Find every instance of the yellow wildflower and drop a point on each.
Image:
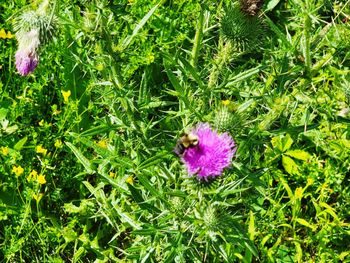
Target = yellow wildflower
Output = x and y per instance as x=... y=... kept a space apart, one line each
x=32 y=175
x=40 y=149
x=130 y=180
x=149 y=59
x=17 y=170
x=299 y=193
x=41 y=123
x=112 y=174
x=99 y=67
x=9 y=35
x=66 y=95
x=58 y=143
x=4 y=151
x=310 y=181
x=102 y=143
x=56 y=112
x=117 y=48
x=225 y=102
x=3 y=34
x=38 y=197
x=41 y=179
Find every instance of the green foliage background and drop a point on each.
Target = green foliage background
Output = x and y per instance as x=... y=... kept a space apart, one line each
x=140 y=72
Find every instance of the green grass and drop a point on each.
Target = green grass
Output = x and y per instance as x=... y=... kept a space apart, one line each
x=141 y=72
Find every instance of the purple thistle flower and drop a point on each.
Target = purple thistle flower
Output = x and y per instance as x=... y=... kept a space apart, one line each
x=26 y=56
x=26 y=61
x=212 y=155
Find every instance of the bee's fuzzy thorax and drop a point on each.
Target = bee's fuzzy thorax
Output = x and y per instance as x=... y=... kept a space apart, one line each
x=251 y=7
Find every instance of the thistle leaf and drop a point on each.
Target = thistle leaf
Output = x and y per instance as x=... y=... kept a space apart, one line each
x=289 y=165
x=298 y=154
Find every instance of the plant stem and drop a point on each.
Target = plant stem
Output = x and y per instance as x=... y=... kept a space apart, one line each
x=197 y=39
x=116 y=76
x=222 y=58
x=307 y=30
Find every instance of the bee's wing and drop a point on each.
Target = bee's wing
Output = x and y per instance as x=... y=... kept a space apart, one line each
x=179 y=149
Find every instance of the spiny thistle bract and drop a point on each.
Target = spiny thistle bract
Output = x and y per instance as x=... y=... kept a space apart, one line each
x=244 y=31
x=223 y=119
x=219 y=219
x=210 y=183
x=211 y=218
x=46 y=24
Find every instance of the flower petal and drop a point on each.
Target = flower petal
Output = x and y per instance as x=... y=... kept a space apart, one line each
x=212 y=155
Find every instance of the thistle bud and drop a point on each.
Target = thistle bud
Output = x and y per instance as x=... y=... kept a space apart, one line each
x=244 y=31
x=223 y=119
x=33 y=28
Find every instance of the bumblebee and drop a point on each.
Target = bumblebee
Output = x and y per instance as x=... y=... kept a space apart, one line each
x=187 y=140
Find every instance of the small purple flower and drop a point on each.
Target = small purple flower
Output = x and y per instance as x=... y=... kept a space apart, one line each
x=212 y=155
x=26 y=61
